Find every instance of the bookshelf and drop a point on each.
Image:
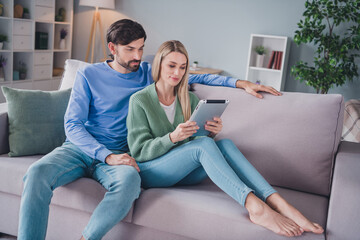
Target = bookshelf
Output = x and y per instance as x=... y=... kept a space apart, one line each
x=34 y=41
x=262 y=74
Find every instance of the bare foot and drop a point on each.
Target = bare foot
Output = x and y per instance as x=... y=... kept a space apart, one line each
x=82 y=238
x=280 y=205
x=261 y=214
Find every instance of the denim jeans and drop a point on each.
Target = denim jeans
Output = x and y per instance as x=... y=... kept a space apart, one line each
x=64 y=165
x=191 y=162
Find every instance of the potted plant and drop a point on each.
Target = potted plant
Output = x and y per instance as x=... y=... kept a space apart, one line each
x=260 y=55
x=26 y=13
x=63 y=34
x=3 y=38
x=335 y=54
x=2 y=66
x=195 y=64
x=22 y=70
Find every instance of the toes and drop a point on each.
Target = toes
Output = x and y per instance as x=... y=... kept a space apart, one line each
x=318 y=229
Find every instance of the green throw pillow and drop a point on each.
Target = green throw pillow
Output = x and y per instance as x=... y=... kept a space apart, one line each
x=36 y=120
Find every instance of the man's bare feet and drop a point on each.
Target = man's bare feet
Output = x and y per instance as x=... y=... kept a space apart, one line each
x=263 y=215
x=279 y=204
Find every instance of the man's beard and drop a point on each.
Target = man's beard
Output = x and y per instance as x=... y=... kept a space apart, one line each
x=128 y=66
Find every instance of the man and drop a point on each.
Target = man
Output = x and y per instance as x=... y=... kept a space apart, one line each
x=96 y=145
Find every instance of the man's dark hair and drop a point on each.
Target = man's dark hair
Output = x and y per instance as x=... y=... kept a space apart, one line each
x=124 y=32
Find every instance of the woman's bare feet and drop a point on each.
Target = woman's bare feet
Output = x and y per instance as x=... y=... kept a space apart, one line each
x=279 y=204
x=263 y=215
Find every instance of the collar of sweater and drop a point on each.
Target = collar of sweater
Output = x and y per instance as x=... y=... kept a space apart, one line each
x=179 y=118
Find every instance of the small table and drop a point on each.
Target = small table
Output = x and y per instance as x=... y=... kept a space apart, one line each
x=200 y=70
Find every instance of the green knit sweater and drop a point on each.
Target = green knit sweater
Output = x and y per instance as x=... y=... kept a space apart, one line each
x=149 y=127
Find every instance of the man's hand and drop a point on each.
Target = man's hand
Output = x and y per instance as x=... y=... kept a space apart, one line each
x=253 y=88
x=214 y=126
x=121 y=159
x=183 y=131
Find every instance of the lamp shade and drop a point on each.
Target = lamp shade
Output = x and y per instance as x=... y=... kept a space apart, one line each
x=98 y=3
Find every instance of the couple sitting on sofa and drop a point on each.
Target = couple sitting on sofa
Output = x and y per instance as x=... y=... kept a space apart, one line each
x=98 y=125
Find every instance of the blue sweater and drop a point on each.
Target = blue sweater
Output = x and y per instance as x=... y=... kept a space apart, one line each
x=95 y=119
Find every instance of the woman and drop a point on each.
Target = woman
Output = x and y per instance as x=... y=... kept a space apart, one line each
x=159 y=137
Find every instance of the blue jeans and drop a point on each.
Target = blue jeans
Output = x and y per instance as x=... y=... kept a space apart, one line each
x=191 y=162
x=62 y=166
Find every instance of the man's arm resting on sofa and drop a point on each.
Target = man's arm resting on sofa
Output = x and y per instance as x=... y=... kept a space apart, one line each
x=4 y=129
x=344 y=212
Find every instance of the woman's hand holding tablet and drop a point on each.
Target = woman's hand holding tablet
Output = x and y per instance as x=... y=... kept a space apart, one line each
x=205 y=111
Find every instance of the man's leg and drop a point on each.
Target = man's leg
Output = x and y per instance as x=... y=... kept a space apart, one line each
x=61 y=166
x=123 y=185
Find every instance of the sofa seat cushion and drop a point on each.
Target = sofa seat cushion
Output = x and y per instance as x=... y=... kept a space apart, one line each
x=12 y=171
x=83 y=194
x=205 y=212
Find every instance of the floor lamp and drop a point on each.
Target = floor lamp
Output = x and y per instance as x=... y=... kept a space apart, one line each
x=96 y=20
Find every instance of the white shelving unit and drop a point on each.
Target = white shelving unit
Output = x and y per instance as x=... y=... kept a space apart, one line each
x=264 y=75
x=21 y=44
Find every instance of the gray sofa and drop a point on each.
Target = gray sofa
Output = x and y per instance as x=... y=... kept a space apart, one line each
x=293 y=140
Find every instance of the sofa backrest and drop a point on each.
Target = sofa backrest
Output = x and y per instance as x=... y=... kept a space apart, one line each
x=290 y=139
x=71 y=67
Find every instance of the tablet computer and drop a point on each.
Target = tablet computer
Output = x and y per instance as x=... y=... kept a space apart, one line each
x=206 y=110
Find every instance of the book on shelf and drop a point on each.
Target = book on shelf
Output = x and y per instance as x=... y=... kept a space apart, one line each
x=275 y=60
x=271 y=60
x=278 y=60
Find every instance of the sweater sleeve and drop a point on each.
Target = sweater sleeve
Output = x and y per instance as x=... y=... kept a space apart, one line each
x=143 y=146
x=212 y=80
x=75 y=117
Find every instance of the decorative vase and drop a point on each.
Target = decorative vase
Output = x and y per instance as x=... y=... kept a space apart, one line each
x=1 y=45
x=260 y=60
x=62 y=44
x=2 y=74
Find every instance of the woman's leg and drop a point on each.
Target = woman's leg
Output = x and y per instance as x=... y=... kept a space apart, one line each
x=262 y=188
x=170 y=168
x=243 y=168
x=193 y=178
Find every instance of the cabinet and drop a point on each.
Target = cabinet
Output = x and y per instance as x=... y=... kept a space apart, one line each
x=33 y=43
x=263 y=74
x=201 y=70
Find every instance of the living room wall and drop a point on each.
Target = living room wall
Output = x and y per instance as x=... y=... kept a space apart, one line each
x=215 y=33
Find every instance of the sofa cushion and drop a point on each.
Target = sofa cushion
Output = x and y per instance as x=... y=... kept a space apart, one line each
x=291 y=139
x=12 y=171
x=71 y=67
x=36 y=120
x=205 y=212
x=83 y=194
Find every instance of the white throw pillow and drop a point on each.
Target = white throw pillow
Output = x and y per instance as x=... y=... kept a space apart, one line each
x=71 y=67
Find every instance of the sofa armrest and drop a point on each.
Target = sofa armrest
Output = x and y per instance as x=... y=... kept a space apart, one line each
x=4 y=129
x=344 y=212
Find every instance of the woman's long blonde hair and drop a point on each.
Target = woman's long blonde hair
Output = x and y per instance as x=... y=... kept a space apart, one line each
x=182 y=88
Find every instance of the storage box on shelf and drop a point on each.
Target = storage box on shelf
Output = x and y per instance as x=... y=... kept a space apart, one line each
x=34 y=43
x=268 y=74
